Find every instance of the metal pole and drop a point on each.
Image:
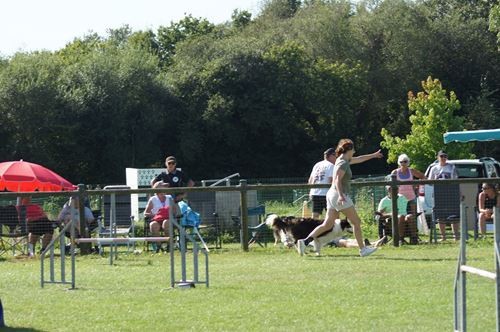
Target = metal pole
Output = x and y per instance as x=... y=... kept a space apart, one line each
x=244 y=215
x=395 y=219
x=195 y=261
x=463 y=274
x=496 y=222
x=112 y=225
x=182 y=240
x=171 y=240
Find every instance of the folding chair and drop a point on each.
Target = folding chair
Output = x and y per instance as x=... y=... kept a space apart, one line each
x=260 y=234
x=446 y=209
x=121 y=224
x=13 y=232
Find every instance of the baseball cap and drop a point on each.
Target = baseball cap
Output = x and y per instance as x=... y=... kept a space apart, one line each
x=171 y=158
x=442 y=153
x=329 y=152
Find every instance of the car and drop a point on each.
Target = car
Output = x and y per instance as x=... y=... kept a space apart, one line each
x=485 y=167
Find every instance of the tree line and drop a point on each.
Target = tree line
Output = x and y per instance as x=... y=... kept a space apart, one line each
x=262 y=96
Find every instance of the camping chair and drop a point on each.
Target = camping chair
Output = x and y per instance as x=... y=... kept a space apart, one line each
x=385 y=229
x=121 y=224
x=446 y=208
x=13 y=232
x=260 y=233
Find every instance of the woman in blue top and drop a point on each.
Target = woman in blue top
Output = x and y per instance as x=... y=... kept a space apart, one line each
x=337 y=198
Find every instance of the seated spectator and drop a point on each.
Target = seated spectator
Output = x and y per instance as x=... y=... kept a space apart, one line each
x=488 y=199
x=38 y=224
x=66 y=214
x=158 y=210
x=405 y=220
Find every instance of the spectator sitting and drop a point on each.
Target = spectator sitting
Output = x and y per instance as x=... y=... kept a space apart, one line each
x=405 y=220
x=66 y=214
x=158 y=209
x=488 y=199
x=38 y=224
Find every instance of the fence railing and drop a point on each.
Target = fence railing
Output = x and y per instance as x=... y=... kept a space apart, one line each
x=219 y=205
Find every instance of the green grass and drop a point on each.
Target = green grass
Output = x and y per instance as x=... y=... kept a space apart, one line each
x=270 y=289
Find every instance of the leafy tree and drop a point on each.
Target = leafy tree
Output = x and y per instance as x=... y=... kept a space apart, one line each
x=432 y=114
x=188 y=27
x=280 y=9
x=29 y=101
x=494 y=19
x=241 y=18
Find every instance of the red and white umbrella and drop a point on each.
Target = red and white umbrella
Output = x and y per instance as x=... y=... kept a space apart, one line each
x=23 y=176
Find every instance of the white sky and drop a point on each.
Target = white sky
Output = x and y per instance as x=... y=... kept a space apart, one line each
x=29 y=25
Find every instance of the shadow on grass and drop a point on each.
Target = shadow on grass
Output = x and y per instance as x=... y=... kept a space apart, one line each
x=20 y=329
x=379 y=256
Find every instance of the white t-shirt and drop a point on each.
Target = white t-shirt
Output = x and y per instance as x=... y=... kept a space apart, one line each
x=157 y=204
x=321 y=173
x=448 y=171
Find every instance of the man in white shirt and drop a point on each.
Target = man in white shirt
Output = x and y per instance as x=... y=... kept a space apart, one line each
x=321 y=173
x=445 y=170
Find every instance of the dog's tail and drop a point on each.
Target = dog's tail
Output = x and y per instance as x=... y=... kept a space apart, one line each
x=270 y=219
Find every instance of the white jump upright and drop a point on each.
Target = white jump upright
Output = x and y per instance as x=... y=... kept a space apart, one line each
x=460 y=286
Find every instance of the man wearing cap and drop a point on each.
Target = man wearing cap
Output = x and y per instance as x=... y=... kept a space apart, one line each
x=445 y=170
x=322 y=173
x=173 y=177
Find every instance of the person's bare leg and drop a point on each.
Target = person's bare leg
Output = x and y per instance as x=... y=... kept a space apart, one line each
x=442 y=230
x=456 y=230
x=47 y=237
x=482 y=223
x=154 y=228
x=328 y=223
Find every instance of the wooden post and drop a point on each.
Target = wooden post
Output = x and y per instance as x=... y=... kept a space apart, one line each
x=395 y=219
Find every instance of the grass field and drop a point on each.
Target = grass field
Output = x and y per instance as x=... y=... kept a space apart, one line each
x=266 y=289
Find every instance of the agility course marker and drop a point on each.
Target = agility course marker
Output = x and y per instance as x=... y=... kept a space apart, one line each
x=460 y=289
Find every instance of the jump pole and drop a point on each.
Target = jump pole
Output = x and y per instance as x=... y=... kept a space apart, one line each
x=121 y=240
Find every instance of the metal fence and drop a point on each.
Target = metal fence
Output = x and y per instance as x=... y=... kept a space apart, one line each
x=225 y=210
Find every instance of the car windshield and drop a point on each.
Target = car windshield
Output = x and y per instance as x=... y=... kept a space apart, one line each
x=469 y=171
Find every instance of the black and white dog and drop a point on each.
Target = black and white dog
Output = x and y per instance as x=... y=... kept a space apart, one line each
x=288 y=230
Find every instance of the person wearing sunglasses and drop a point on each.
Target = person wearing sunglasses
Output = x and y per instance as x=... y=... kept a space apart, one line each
x=173 y=177
x=405 y=173
x=488 y=199
x=445 y=170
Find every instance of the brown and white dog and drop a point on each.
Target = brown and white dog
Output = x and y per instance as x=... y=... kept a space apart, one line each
x=288 y=230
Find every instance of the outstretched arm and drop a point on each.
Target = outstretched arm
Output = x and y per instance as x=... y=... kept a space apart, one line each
x=365 y=157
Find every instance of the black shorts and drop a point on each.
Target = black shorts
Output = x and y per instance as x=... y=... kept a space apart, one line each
x=319 y=204
x=41 y=227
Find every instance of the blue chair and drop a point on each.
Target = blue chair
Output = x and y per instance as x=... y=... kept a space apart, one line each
x=258 y=234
